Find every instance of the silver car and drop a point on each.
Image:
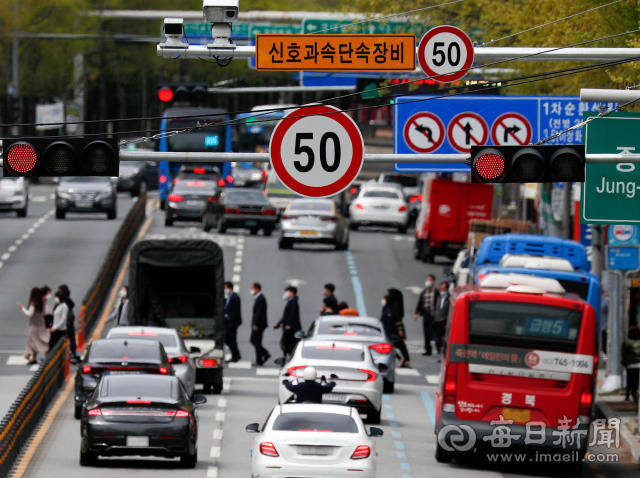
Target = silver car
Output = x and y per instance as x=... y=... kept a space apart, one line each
x=313 y=221
x=366 y=330
x=348 y=364
x=179 y=355
x=14 y=195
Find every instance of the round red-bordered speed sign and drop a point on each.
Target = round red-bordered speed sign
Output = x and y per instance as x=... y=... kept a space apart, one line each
x=316 y=151
x=445 y=53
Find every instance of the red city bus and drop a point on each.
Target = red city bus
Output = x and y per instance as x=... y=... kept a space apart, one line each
x=518 y=370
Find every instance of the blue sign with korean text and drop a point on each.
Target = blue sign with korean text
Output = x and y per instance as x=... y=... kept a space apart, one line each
x=429 y=124
x=623 y=258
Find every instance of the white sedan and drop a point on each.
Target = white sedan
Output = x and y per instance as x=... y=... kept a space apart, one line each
x=379 y=205
x=313 y=440
x=348 y=364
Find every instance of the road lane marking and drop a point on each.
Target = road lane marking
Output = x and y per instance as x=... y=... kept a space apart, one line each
x=357 y=287
x=18 y=242
x=431 y=409
x=31 y=230
x=237 y=268
x=242 y=364
x=212 y=472
x=433 y=379
x=236 y=278
x=405 y=466
x=386 y=397
x=222 y=402
x=390 y=416
x=17 y=360
x=5 y=256
x=220 y=417
x=39 y=199
x=402 y=455
x=238 y=260
x=273 y=372
x=409 y=372
x=12 y=248
x=52 y=196
x=217 y=434
x=399 y=445
x=0 y=265
x=25 y=236
x=34 y=367
x=215 y=452
x=388 y=407
x=396 y=434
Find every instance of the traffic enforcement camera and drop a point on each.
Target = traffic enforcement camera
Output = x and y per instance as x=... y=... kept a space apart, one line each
x=527 y=164
x=40 y=157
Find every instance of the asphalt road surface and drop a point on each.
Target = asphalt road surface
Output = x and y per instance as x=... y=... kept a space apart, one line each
x=378 y=259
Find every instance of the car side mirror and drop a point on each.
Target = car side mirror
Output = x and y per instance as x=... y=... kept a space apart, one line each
x=81 y=397
x=253 y=428
x=375 y=432
x=279 y=362
x=199 y=399
x=299 y=335
x=195 y=350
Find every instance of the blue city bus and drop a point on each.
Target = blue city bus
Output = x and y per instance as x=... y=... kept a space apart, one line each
x=254 y=130
x=210 y=139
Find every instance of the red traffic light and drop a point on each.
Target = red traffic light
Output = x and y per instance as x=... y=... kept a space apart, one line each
x=21 y=158
x=489 y=165
x=165 y=94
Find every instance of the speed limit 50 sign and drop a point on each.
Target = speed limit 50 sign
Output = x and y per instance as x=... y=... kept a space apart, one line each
x=445 y=53
x=316 y=151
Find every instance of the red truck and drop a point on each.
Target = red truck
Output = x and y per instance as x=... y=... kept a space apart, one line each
x=443 y=224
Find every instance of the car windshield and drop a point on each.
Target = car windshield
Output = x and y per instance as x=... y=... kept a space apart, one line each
x=139 y=386
x=380 y=194
x=349 y=330
x=246 y=196
x=509 y=324
x=87 y=179
x=322 y=206
x=166 y=340
x=404 y=181
x=315 y=422
x=121 y=351
x=333 y=352
x=193 y=186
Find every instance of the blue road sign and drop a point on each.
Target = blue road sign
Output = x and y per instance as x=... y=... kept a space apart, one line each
x=623 y=258
x=453 y=125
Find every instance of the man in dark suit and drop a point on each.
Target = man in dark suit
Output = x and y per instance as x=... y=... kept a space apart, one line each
x=330 y=303
x=290 y=321
x=259 y=323
x=426 y=309
x=440 y=316
x=233 y=319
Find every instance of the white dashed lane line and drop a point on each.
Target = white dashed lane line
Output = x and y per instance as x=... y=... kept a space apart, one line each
x=215 y=452
x=5 y=256
x=217 y=434
x=212 y=472
x=26 y=235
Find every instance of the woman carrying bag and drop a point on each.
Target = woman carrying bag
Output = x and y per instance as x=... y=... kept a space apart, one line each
x=38 y=341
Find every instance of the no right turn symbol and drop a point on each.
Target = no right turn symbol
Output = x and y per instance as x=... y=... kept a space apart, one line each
x=511 y=129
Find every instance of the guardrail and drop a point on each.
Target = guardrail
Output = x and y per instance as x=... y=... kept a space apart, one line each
x=97 y=294
x=30 y=406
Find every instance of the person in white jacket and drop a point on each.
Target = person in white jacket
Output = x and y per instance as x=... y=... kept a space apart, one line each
x=59 y=327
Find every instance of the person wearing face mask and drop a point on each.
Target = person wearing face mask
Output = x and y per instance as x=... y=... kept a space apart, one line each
x=393 y=326
x=426 y=309
x=59 y=328
x=233 y=320
x=38 y=341
x=119 y=313
x=290 y=321
x=71 y=327
x=48 y=313
x=259 y=324
x=440 y=317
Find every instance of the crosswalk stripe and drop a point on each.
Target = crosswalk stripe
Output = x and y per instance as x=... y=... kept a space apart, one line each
x=273 y=372
x=17 y=360
x=409 y=372
x=217 y=434
x=212 y=472
x=243 y=364
x=433 y=379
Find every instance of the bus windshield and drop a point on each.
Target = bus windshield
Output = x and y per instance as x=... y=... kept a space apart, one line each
x=509 y=324
x=209 y=139
x=254 y=135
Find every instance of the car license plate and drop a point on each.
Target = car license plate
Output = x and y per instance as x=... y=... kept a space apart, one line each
x=308 y=233
x=124 y=372
x=84 y=204
x=138 y=441
x=334 y=397
x=195 y=203
x=518 y=415
x=314 y=450
x=381 y=207
x=250 y=223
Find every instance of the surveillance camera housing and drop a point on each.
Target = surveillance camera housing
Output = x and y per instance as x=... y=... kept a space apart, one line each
x=221 y=11
x=173 y=29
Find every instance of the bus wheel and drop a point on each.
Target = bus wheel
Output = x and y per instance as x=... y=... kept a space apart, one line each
x=443 y=456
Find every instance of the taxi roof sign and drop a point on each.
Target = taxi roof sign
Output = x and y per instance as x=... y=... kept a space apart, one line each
x=336 y=52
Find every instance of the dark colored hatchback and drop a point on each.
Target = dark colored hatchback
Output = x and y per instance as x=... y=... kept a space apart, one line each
x=240 y=208
x=140 y=416
x=118 y=357
x=187 y=200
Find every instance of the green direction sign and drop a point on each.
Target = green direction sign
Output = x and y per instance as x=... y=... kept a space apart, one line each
x=611 y=192
x=240 y=29
x=312 y=25
x=280 y=29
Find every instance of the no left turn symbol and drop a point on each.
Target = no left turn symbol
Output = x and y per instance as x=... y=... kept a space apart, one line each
x=424 y=132
x=466 y=130
x=511 y=129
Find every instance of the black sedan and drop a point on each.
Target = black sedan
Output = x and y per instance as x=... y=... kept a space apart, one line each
x=187 y=200
x=240 y=208
x=136 y=177
x=139 y=416
x=86 y=194
x=118 y=357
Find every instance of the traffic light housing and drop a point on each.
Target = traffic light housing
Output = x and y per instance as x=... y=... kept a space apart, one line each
x=194 y=93
x=528 y=164
x=40 y=157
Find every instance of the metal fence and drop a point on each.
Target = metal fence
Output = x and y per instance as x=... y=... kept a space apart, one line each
x=30 y=406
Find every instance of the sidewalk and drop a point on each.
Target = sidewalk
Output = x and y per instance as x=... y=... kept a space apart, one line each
x=614 y=406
